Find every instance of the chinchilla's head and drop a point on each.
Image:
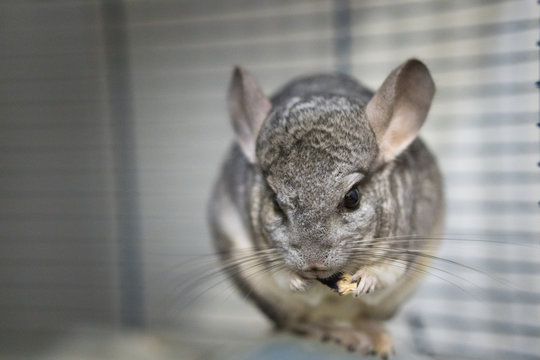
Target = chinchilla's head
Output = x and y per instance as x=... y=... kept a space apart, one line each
x=320 y=158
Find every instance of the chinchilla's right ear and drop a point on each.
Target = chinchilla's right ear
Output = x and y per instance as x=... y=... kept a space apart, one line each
x=398 y=109
x=248 y=107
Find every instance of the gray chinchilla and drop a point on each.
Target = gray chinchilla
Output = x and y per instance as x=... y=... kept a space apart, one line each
x=328 y=185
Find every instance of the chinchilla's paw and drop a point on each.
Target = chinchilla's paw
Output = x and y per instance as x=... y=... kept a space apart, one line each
x=366 y=282
x=382 y=345
x=380 y=341
x=367 y=339
x=350 y=339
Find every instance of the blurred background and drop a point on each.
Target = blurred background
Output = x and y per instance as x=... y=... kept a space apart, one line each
x=113 y=124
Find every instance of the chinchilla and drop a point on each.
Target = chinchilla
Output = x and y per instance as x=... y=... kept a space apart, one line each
x=327 y=178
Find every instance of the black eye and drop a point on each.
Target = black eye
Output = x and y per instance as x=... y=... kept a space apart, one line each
x=352 y=199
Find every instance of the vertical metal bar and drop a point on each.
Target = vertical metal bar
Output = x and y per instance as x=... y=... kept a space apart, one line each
x=128 y=212
x=342 y=35
x=538 y=86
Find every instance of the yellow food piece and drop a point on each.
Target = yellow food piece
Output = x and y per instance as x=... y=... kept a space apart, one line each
x=345 y=286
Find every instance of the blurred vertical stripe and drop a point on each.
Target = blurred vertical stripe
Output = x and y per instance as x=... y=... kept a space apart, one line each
x=118 y=73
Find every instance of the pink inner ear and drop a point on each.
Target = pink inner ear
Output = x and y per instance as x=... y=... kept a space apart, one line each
x=398 y=109
x=403 y=129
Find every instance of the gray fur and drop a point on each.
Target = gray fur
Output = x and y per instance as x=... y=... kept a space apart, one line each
x=305 y=152
x=314 y=145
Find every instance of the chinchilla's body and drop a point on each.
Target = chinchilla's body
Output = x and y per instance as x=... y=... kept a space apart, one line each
x=325 y=179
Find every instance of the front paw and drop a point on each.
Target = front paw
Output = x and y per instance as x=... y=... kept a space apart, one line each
x=298 y=283
x=366 y=282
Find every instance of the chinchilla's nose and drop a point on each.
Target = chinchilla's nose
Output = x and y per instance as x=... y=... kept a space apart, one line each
x=313 y=268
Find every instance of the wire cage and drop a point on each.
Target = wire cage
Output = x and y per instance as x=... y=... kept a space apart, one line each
x=113 y=124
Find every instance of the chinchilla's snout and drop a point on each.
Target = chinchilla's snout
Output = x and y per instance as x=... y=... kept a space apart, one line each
x=315 y=270
x=315 y=262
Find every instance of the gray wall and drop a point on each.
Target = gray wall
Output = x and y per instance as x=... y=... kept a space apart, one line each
x=57 y=212
x=112 y=130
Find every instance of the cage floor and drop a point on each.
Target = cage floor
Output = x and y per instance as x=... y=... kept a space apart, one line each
x=105 y=344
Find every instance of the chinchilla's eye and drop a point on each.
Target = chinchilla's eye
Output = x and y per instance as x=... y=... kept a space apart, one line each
x=351 y=201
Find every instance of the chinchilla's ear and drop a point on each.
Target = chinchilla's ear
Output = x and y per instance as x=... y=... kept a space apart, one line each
x=248 y=107
x=398 y=109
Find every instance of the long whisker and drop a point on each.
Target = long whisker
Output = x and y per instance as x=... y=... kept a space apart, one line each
x=225 y=267
x=247 y=273
x=413 y=237
x=425 y=266
x=424 y=253
x=221 y=254
x=227 y=272
x=459 y=264
x=216 y=260
x=234 y=262
x=423 y=270
x=271 y=269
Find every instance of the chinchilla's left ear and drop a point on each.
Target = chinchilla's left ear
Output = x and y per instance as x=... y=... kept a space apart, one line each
x=248 y=107
x=398 y=109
